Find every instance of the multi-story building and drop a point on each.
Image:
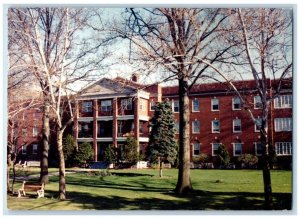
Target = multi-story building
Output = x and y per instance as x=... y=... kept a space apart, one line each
x=109 y=110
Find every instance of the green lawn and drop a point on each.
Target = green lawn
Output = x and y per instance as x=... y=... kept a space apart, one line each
x=144 y=190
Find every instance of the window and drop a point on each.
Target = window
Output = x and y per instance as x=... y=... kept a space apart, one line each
x=142 y=105
x=175 y=106
x=87 y=106
x=215 y=104
x=236 y=103
x=23 y=150
x=176 y=127
x=196 y=105
x=152 y=105
x=196 y=126
x=237 y=149
x=35 y=131
x=215 y=148
x=257 y=102
x=284 y=101
x=141 y=127
x=196 y=149
x=237 y=125
x=257 y=124
x=24 y=132
x=283 y=124
x=106 y=105
x=126 y=104
x=283 y=148
x=258 y=148
x=35 y=115
x=215 y=126
x=34 y=149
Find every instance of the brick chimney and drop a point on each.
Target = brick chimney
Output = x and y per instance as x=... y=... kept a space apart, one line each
x=135 y=77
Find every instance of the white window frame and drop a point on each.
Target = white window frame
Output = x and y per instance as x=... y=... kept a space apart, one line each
x=193 y=126
x=105 y=107
x=87 y=106
x=212 y=126
x=234 y=147
x=35 y=131
x=212 y=148
x=233 y=125
x=212 y=104
x=287 y=150
x=23 y=150
x=152 y=105
x=196 y=143
x=283 y=101
x=255 y=125
x=255 y=145
x=281 y=123
x=126 y=104
x=173 y=106
x=142 y=104
x=233 y=102
x=255 y=102
x=193 y=110
x=34 y=148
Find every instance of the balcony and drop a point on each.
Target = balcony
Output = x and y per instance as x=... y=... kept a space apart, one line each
x=85 y=129
x=125 y=128
x=105 y=129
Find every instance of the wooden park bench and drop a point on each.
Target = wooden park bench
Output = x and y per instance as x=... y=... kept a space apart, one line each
x=33 y=163
x=36 y=187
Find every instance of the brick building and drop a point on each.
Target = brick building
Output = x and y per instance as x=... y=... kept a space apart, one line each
x=109 y=110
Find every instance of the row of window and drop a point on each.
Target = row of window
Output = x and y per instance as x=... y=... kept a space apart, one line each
x=34 y=149
x=281 y=125
x=106 y=105
x=281 y=148
x=284 y=101
x=35 y=132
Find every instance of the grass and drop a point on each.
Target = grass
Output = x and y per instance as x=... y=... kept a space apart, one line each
x=144 y=190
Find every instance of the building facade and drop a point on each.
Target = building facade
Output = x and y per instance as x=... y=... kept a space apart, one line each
x=110 y=110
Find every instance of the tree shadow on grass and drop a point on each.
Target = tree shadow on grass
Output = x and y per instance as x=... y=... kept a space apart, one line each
x=197 y=200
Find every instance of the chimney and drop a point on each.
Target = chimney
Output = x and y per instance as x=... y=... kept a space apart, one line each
x=135 y=77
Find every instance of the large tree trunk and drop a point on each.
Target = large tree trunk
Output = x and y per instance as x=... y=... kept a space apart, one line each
x=184 y=184
x=45 y=148
x=266 y=166
x=62 y=170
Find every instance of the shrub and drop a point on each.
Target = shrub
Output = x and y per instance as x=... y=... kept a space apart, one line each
x=69 y=149
x=84 y=153
x=249 y=160
x=201 y=160
x=110 y=155
x=223 y=156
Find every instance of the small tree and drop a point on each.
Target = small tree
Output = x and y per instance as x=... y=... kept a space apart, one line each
x=110 y=155
x=84 y=153
x=223 y=156
x=162 y=144
x=69 y=147
x=130 y=153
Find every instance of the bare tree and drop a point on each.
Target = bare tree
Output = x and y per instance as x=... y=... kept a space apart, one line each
x=55 y=45
x=169 y=39
x=265 y=52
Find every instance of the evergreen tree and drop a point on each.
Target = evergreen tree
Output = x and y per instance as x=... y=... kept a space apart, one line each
x=162 y=144
x=110 y=155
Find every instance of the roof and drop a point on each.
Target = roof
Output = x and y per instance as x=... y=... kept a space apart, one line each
x=246 y=85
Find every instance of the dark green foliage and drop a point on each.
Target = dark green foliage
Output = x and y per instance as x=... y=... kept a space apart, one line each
x=130 y=151
x=201 y=160
x=69 y=149
x=162 y=136
x=110 y=154
x=249 y=160
x=223 y=156
x=84 y=153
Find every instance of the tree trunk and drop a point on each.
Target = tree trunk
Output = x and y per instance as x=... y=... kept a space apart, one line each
x=62 y=170
x=266 y=167
x=45 y=148
x=184 y=184
x=160 y=168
